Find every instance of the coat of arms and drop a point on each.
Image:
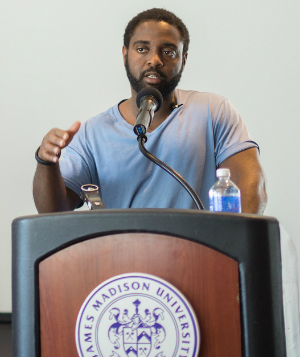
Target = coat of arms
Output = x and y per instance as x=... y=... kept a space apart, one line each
x=137 y=334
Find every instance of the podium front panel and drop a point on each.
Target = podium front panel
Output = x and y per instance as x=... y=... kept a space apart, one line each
x=207 y=278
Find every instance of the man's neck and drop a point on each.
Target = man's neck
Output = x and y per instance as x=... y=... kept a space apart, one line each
x=129 y=110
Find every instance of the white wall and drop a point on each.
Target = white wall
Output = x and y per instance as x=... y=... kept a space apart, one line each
x=61 y=61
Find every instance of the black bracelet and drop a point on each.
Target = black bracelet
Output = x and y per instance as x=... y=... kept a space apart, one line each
x=43 y=162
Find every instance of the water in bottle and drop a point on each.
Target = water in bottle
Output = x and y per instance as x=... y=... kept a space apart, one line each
x=224 y=196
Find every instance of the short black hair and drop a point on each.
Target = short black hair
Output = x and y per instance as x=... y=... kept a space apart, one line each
x=157 y=14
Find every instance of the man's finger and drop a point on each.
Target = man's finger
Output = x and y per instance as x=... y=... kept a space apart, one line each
x=74 y=128
x=68 y=135
x=49 y=152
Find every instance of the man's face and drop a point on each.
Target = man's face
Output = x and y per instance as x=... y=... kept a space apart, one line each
x=154 y=57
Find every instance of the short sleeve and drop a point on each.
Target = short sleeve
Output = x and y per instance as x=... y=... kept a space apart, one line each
x=76 y=164
x=230 y=133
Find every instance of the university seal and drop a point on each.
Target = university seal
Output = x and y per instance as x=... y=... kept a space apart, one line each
x=136 y=315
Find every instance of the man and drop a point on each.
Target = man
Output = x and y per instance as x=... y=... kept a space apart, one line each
x=194 y=133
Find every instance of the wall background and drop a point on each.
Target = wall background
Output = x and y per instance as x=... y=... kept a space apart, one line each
x=61 y=61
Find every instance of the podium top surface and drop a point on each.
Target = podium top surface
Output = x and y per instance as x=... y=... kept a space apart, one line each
x=222 y=231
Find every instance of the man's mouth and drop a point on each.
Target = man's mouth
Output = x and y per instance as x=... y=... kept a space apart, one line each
x=152 y=76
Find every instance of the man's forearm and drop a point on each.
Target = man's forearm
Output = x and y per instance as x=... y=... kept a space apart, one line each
x=247 y=174
x=49 y=191
x=253 y=195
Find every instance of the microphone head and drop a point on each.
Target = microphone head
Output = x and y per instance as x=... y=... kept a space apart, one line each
x=150 y=92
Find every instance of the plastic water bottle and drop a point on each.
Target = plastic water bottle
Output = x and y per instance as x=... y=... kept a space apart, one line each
x=224 y=196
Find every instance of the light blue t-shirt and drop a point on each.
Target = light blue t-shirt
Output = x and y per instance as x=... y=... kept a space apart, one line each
x=196 y=137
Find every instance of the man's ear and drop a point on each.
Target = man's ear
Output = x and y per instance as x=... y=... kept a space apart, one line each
x=184 y=59
x=124 y=52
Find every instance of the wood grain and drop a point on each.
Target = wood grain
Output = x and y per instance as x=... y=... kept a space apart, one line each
x=207 y=278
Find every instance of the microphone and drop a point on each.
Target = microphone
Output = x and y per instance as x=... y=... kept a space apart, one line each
x=149 y=100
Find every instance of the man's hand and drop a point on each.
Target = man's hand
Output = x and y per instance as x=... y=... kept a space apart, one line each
x=55 y=141
x=49 y=190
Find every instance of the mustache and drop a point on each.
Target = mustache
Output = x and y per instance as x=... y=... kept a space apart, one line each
x=153 y=69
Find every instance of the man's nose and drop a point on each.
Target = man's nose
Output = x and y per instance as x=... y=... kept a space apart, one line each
x=155 y=60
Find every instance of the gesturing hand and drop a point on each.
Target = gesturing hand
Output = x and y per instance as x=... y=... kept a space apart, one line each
x=55 y=141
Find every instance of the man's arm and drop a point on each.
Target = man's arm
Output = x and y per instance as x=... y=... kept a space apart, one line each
x=49 y=191
x=246 y=172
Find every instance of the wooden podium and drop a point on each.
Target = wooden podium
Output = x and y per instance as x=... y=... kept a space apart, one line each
x=228 y=266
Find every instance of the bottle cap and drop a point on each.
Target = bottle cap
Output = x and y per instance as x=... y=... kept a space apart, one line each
x=223 y=172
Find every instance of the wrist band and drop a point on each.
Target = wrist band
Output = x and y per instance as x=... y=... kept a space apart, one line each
x=43 y=162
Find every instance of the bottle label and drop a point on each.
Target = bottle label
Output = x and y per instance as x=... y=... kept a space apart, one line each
x=225 y=204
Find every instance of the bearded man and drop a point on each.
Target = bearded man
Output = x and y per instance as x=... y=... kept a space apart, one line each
x=193 y=132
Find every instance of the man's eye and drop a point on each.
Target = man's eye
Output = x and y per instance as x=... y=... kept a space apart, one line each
x=169 y=53
x=141 y=49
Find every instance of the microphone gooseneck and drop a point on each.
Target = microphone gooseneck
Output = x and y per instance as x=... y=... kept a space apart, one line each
x=172 y=172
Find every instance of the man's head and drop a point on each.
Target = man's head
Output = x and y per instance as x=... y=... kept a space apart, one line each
x=155 y=50
x=157 y=15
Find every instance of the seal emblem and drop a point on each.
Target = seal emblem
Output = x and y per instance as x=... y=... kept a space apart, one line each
x=136 y=315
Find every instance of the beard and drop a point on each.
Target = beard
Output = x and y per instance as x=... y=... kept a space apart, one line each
x=165 y=87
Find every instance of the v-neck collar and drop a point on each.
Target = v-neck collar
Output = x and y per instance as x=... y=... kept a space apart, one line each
x=123 y=121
